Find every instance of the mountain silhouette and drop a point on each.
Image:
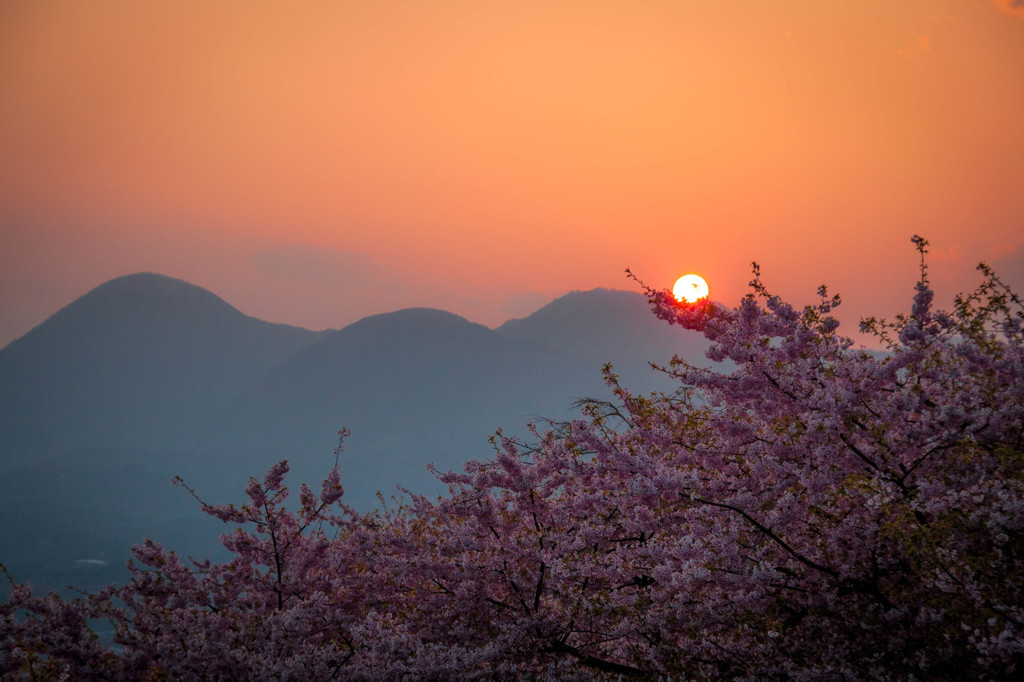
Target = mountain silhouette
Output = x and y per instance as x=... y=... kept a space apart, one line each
x=146 y=377
x=134 y=362
x=606 y=325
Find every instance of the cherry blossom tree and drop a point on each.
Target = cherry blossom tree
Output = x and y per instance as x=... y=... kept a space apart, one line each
x=808 y=510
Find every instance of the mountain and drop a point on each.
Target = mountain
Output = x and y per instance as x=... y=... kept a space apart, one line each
x=605 y=325
x=414 y=386
x=99 y=407
x=146 y=377
x=134 y=362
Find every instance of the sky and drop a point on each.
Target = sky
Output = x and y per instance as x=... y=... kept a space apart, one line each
x=316 y=162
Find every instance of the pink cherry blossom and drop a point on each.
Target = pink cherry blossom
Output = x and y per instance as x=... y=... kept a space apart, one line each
x=808 y=510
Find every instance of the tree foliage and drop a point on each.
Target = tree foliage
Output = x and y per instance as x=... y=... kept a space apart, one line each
x=815 y=512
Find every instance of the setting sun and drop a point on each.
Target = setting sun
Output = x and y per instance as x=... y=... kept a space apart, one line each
x=690 y=288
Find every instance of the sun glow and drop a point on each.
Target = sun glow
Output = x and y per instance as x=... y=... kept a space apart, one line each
x=690 y=288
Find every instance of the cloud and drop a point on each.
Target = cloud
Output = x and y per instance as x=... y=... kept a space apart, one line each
x=1014 y=7
x=1010 y=269
x=523 y=304
x=920 y=43
x=953 y=254
x=316 y=264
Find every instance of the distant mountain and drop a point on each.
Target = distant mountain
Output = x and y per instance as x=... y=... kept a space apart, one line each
x=146 y=377
x=135 y=362
x=605 y=325
x=414 y=386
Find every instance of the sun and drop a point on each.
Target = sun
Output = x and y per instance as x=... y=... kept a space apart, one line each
x=690 y=288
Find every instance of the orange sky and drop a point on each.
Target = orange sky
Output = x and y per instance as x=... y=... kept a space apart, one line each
x=314 y=162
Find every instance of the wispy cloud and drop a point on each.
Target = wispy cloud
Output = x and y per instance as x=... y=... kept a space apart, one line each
x=953 y=254
x=525 y=303
x=922 y=43
x=1014 y=7
x=321 y=265
x=1010 y=268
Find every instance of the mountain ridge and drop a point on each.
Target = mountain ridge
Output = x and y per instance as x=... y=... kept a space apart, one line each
x=147 y=377
x=136 y=342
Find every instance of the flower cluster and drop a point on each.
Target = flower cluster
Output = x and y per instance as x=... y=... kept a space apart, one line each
x=815 y=511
